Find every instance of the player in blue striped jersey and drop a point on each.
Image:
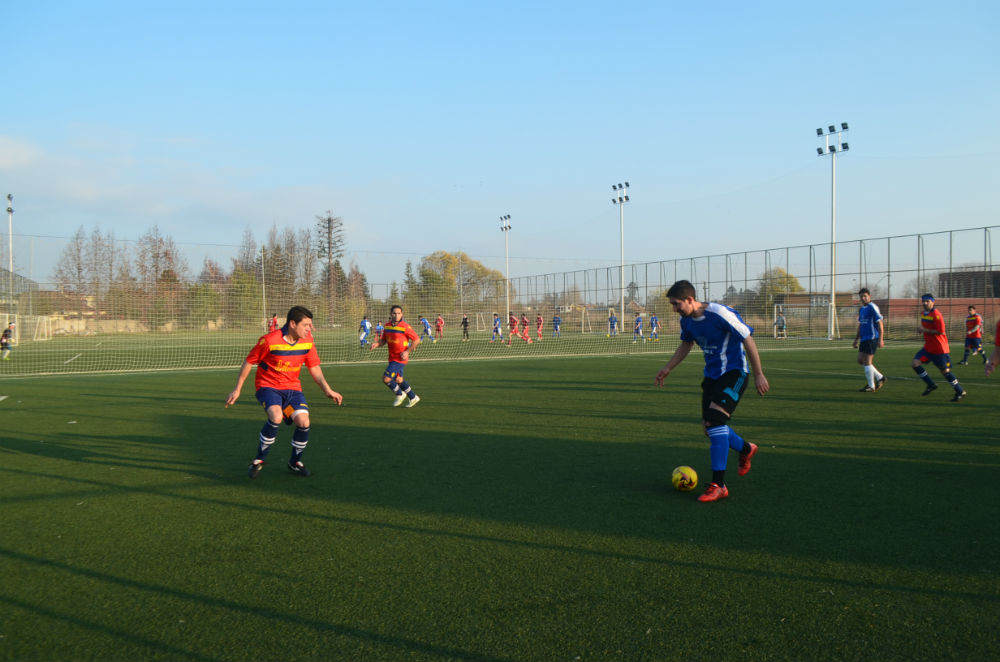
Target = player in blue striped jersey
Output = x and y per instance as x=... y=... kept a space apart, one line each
x=730 y=353
x=870 y=337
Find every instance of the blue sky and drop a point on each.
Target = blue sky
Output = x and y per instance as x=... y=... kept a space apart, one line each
x=421 y=123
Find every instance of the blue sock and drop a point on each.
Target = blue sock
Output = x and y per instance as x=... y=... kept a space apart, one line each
x=299 y=440
x=719 y=450
x=268 y=433
x=394 y=387
x=736 y=442
x=405 y=388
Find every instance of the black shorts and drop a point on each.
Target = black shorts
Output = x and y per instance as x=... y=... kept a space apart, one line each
x=868 y=347
x=725 y=391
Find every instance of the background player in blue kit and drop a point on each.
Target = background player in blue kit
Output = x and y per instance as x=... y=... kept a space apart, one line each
x=729 y=349
x=870 y=337
x=654 y=328
x=556 y=324
x=612 y=324
x=427 y=329
x=497 y=330
x=366 y=330
x=637 y=329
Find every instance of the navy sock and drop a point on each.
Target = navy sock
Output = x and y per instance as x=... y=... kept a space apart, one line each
x=953 y=380
x=268 y=433
x=299 y=440
x=922 y=374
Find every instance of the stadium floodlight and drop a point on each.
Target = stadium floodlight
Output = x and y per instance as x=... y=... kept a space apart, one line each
x=831 y=148
x=505 y=228
x=620 y=199
x=10 y=256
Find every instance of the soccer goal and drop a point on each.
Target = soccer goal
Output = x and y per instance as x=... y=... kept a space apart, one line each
x=43 y=328
x=801 y=320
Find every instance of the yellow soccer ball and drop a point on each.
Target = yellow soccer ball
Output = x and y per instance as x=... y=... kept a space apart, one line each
x=684 y=479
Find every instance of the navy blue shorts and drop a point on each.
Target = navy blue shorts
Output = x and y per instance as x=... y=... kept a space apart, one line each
x=394 y=370
x=942 y=361
x=973 y=343
x=291 y=402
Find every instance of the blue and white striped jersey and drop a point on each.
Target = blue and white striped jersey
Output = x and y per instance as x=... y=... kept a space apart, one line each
x=719 y=332
x=868 y=318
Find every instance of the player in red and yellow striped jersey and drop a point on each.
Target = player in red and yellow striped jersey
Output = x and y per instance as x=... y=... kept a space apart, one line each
x=973 y=336
x=935 y=349
x=401 y=339
x=279 y=356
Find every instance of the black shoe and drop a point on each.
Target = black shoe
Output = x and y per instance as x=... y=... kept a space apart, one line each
x=958 y=396
x=866 y=389
x=963 y=363
x=255 y=468
x=880 y=383
x=927 y=391
x=299 y=469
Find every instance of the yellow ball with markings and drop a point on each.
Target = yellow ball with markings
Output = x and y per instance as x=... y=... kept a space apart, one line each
x=684 y=479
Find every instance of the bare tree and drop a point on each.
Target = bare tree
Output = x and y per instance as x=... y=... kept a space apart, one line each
x=71 y=269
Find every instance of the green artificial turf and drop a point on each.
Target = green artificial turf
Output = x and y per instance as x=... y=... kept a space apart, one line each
x=522 y=511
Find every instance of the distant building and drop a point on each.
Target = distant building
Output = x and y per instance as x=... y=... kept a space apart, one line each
x=970 y=284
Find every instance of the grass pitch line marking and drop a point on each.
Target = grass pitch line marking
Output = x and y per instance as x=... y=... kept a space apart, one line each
x=74 y=358
x=3 y=397
x=899 y=378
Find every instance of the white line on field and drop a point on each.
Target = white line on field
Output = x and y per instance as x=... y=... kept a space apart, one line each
x=74 y=358
x=3 y=397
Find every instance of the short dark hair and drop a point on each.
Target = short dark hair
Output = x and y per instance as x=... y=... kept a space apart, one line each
x=682 y=289
x=395 y=306
x=297 y=314
x=972 y=307
x=863 y=290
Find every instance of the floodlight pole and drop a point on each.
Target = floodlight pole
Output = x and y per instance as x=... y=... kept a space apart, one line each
x=10 y=256
x=621 y=197
x=505 y=228
x=831 y=148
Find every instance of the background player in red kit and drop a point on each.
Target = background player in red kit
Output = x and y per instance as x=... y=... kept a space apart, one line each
x=401 y=339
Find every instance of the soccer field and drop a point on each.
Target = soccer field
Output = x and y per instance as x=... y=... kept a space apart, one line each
x=522 y=511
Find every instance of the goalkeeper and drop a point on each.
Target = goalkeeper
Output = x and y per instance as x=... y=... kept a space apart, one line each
x=6 y=340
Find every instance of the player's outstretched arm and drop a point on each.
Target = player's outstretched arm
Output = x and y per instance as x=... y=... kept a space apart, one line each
x=317 y=374
x=759 y=380
x=679 y=355
x=235 y=394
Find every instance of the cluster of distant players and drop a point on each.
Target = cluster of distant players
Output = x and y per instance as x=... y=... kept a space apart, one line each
x=871 y=336
x=637 y=335
x=727 y=344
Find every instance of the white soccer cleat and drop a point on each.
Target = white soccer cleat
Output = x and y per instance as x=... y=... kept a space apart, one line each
x=399 y=400
x=413 y=402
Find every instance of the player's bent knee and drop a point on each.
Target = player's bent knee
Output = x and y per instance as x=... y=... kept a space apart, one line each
x=386 y=379
x=715 y=417
x=399 y=379
x=301 y=419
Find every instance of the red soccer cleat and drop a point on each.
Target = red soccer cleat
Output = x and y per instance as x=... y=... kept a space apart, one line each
x=744 y=467
x=714 y=493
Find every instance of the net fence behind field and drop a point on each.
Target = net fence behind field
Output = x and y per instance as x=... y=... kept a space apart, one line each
x=790 y=295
